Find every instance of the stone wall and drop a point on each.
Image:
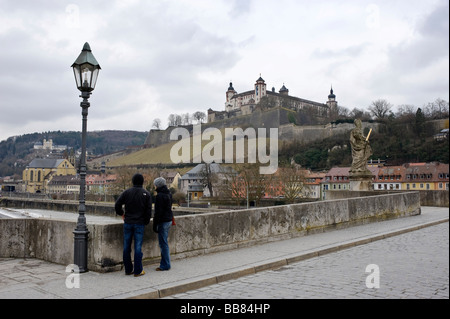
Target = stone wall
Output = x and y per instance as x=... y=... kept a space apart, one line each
x=92 y=208
x=437 y=198
x=434 y=198
x=52 y=240
x=271 y=118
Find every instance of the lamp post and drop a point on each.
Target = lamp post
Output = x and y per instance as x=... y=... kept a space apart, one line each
x=85 y=69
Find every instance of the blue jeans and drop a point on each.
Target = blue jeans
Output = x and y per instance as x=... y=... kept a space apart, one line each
x=130 y=232
x=163 y=234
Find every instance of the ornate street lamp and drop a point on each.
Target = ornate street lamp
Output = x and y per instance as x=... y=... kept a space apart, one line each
x=85 y=69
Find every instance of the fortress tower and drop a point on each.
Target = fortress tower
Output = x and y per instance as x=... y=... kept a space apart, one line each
x=332 y=104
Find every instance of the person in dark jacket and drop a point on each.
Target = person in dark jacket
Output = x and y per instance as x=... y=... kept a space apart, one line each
x=162 y=221
x=137 y=214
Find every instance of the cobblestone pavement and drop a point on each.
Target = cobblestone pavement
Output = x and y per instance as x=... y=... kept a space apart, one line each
x=414 y=265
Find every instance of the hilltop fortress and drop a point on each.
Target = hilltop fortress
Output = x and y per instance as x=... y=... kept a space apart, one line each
x=297 y=120
x=247 y=102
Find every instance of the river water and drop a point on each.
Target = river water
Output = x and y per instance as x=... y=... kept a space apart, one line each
x=51 y=214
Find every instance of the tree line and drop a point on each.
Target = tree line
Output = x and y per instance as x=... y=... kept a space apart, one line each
x=181 y=119
x=382 y=110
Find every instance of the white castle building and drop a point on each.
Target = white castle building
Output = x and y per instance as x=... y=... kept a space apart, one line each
x=245 y=102
x=48 y=145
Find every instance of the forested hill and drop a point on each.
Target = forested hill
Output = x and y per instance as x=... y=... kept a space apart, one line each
x=16 y=152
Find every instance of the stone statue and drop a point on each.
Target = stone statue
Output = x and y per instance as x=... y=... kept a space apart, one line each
x=361 y=150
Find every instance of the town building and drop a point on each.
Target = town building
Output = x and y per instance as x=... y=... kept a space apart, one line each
x=38 y=173
x=337 y=179
x=409 y=176
x=64 y=184
x=197 y=176
x=301 y=183
x=442 y=135
x=426 y=176
x=195 y=191
x=100 y=183
x=313 y=183
x=48 y=145
x=413 y=176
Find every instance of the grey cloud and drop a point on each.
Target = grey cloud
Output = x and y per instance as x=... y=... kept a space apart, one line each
x=430 y=46
x=239 y=8
x=437 y=23
x=348 y=52
x=411 y=59
x=31 y=81
x=168 y=46
x=169 y=54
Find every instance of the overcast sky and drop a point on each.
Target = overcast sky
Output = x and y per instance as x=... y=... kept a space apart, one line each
x=178 y=56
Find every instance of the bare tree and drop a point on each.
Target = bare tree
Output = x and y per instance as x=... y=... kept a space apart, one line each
x=229 y=187
x=437 y=109
x=359 y=114
x=186 y=118
x=199 y=117
x=175 y=120
x=149 y=177
x=292 y=182
x=406 y=112
x=171 y=120
x=343 y=111
x=406 y=109
x=208 y=178
x=253 y=185
x=178 y=120
x=157 y=124
x=380 y=108
x=123 y=178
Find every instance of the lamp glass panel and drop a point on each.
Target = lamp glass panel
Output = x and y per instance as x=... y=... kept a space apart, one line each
x=76 y=73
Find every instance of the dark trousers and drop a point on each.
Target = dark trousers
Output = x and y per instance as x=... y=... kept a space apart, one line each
x=133 y=232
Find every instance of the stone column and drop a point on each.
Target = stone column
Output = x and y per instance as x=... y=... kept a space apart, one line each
x=361 y=181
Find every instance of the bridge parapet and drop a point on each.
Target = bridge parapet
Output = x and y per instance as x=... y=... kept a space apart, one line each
x=52 y=240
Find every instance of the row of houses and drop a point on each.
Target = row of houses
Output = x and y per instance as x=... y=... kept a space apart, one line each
x=99 y=183
x=410 y=176
x=314 y=185
x=59 y=176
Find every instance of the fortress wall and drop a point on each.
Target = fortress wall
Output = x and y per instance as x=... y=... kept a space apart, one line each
x=258 y=119
x=272 y=118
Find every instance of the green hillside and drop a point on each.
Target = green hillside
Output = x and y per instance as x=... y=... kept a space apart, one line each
x=396 y=143
x=162 y=154
x=17 y=152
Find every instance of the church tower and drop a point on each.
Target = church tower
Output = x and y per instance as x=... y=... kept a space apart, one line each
x=332 y=103
x=260 y=89
x=229 y=94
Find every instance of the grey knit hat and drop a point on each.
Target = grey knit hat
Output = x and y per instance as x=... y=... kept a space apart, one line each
x=160 y=181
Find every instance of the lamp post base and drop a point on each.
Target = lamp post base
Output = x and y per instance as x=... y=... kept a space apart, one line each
x=81 y=249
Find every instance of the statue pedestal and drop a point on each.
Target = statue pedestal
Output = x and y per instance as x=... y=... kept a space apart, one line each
x=361 y=181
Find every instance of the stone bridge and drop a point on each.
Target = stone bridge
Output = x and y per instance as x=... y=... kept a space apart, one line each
x=52 y=240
